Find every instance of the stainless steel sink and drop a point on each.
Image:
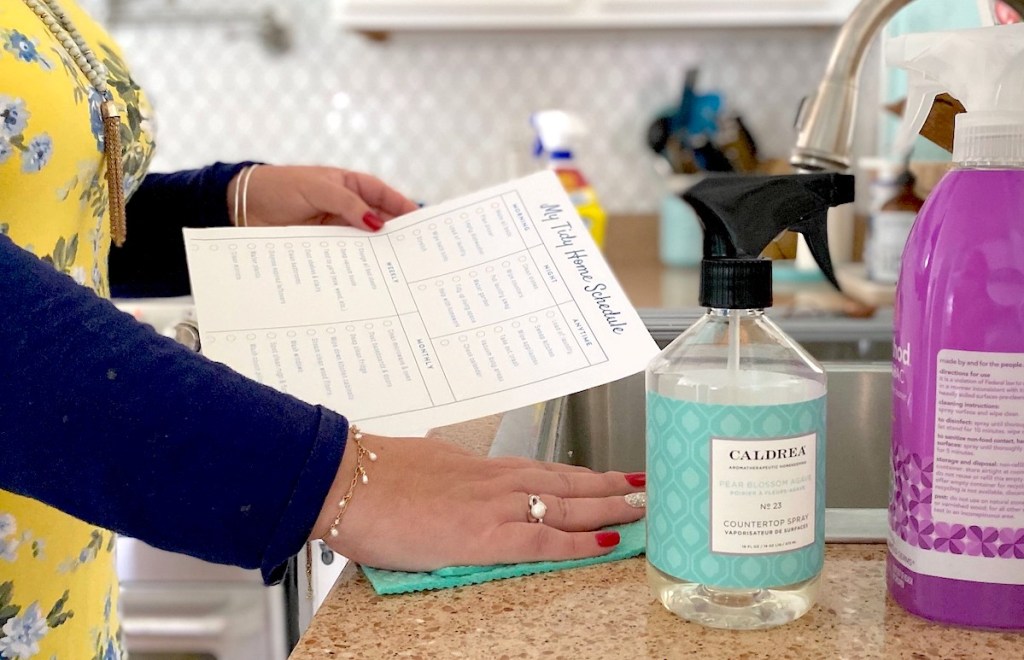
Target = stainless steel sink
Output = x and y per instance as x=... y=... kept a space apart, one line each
x=603 y=428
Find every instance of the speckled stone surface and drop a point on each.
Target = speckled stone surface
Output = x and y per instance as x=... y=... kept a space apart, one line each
x=606 y=611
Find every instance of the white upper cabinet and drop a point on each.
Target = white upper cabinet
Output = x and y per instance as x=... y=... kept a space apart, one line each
x=388 y=15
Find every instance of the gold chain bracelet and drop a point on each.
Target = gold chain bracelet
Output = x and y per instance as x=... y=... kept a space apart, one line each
x=355 y=435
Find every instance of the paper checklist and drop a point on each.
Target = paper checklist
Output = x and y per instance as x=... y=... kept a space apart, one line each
x=489 y=302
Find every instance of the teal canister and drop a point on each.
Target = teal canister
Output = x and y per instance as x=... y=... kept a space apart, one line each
x=679 y=232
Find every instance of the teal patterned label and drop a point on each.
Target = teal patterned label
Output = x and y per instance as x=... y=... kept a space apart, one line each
x=736 y=494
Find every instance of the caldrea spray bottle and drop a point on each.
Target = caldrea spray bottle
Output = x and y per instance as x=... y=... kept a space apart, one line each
x=956 y=542
x=736 y=420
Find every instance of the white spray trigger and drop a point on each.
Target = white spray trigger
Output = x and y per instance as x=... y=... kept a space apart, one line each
x=921 y=93
x=983 y=68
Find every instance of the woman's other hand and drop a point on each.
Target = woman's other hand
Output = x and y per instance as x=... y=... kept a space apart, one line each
x=280 y=195
x=428 y=504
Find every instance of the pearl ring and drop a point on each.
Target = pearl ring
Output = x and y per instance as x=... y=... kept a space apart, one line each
x=537 y=509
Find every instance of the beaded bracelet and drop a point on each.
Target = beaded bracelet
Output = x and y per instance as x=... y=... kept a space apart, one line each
x=354 y=435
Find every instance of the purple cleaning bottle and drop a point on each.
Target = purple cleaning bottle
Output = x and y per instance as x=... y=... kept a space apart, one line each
x=956 y=514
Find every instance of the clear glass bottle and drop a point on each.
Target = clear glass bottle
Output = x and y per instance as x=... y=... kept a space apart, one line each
x=889 y=227
x=735 y=362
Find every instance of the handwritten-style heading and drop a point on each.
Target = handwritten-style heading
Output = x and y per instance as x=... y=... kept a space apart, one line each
x=566 y=237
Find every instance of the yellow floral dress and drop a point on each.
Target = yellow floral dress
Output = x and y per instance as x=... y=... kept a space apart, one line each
x=58 y=587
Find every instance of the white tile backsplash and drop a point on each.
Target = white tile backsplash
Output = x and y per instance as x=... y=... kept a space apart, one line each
x=440 y=114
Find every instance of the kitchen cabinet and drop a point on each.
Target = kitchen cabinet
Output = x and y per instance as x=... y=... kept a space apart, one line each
x=391 y=15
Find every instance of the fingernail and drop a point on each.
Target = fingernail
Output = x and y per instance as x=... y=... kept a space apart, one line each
x=637 y=479
x=373 y=221
x=607 y=539
x=637 y=500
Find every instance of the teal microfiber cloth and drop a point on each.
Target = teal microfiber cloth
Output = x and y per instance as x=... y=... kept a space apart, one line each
x=632 y=539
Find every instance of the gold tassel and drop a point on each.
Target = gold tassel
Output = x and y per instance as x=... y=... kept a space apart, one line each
x=309 y=570
x=115 y=172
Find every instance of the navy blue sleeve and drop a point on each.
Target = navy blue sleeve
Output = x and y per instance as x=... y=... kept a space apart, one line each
x=103 y=418
x=151 y=263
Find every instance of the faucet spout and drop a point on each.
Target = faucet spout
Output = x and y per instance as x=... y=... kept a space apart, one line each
x=826 y=119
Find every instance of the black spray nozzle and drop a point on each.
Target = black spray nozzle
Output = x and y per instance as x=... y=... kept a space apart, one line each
x=742 y=215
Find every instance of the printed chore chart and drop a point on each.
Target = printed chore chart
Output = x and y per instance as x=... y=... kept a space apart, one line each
x=493 y=301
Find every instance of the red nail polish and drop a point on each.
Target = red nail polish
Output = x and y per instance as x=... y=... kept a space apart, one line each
x=372 y=221
x=637 y=479
x=607 y=539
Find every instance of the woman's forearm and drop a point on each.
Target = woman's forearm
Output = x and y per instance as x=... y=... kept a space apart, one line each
x=151 y=263
x=105 y=419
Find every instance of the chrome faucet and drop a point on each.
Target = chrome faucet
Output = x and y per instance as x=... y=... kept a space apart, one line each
x=825 y=120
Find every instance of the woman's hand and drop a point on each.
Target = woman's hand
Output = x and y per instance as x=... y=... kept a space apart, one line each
x=428 y=504
x=279 y=195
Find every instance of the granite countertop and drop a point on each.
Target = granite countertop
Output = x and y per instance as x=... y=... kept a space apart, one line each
x=607 y=611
